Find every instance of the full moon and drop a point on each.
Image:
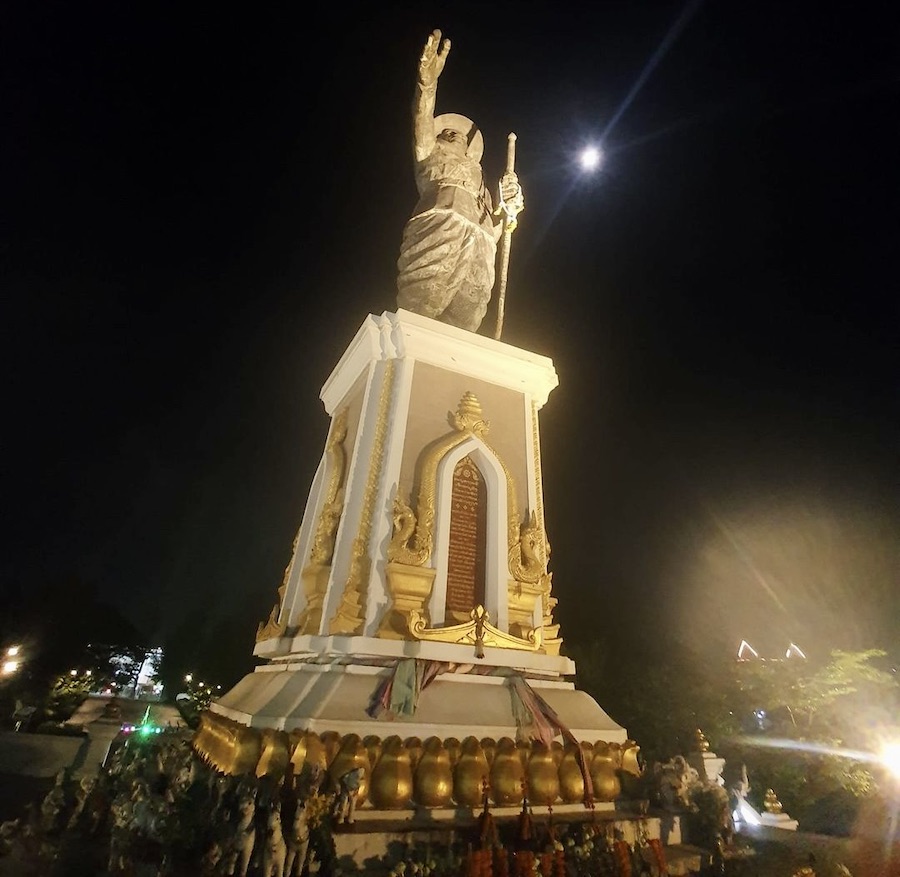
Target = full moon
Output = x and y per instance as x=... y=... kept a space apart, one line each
x=590 y=158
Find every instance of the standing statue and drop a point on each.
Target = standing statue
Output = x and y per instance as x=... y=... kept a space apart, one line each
x=446 y=264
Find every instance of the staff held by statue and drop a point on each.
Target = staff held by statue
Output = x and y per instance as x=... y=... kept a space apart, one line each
x=509 y=209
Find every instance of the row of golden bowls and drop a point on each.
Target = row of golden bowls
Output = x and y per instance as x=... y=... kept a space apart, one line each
x=401 y=773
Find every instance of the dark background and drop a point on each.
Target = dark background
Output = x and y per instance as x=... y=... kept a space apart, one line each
x=200 y=206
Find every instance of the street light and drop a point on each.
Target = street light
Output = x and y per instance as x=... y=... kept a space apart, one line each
x=189 y=677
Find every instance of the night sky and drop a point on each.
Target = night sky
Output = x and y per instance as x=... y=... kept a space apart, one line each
x=199 y=208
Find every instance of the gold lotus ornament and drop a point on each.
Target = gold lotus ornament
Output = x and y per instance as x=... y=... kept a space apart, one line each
x=507 y=774
x=331 y=742
x=433 y=784
x=489 y=745
x=470 y=773
x=542 y=776
x=373 y=747
x=274 y=758
x=603 y=773
x=453 y=746
x=571 y=781
x=414 y=748
x=392 y=778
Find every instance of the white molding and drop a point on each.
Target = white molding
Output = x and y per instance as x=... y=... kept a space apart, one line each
x=403 y=335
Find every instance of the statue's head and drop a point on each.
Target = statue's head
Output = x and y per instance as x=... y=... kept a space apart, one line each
x=459 y=134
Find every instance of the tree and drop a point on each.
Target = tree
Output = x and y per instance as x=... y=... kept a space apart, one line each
x=812 y=727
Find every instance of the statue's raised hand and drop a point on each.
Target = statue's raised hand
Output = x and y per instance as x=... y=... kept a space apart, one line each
x=433 y=58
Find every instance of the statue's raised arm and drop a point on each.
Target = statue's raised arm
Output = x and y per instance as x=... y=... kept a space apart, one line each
x=431 y=65
x=446 y=264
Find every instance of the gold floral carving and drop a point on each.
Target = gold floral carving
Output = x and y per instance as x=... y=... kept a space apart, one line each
x=551 y=638
x=526 y=557
x=315 y=573
x=477 y=632
x=351 y=614
x=326 y=528
x=272 y=629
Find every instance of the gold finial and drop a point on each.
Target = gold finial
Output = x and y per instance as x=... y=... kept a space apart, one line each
x=700 y=741
x=469 y=416
x=771 y=802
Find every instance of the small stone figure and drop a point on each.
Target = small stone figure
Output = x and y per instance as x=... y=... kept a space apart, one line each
x=236 y=859
x=274 y=853
x=55 y=805
x=84 y=792
x=674 y=779
x=446 y=264
x=348 y=790
x=297 y=841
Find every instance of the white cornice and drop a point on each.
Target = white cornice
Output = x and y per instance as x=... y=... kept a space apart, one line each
x=405 y=335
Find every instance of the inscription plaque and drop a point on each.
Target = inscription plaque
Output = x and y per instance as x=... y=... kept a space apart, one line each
x=468 y=541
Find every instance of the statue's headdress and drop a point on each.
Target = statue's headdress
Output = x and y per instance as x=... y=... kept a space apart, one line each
x=466 y=127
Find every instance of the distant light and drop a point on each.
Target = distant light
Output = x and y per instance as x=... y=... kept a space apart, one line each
x=88 y=672
x=745 y=646
x=747 y=813
x=590 y=158
x=890 y=758
x=188 y=677
x=10 y=667
x=73 y=672
x=12 y=651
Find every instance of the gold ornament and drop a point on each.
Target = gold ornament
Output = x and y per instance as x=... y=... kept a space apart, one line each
x=507 y=776
x=453 y=746
x=373 y=747
x=542 y=776
x=273 y=759
x=433 y=783
x=607 y=786
x=571 y=781
x=771 y=802
x=392 y=778
x=470 y=773
x=414 y=748
x=350 y=614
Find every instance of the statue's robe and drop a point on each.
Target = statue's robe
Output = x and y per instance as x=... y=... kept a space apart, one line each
x=446 y=264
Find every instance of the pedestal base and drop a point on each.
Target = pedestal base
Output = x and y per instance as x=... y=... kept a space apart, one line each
x=323 y=697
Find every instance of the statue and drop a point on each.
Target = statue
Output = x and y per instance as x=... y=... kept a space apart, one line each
x=446 y=264
x=297 y=843
x=274 y=852
x=348 y=789
x=236 y=859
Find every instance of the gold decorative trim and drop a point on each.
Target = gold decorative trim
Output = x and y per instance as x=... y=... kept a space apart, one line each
x=527 y=562
x=315 y=573
x=409 y=587
x=272 y=629
x=552 y=640
x=478 y=632
x=326 y=528
x=351 y=613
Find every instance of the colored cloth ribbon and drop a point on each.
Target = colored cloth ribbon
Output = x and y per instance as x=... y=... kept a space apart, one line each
x=536 y=719
x=399 y=692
